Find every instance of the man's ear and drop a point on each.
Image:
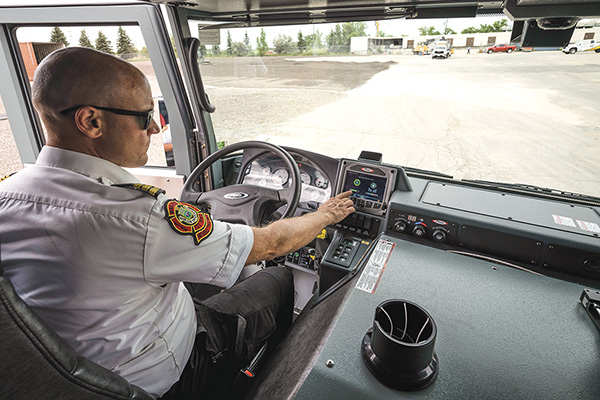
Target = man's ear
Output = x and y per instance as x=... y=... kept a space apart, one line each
x=89 y=122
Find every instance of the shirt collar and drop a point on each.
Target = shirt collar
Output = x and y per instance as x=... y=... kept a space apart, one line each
x=104 y=171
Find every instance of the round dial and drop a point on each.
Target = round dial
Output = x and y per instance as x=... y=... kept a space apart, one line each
x=261 y=182
x=281 y=176
x=320 y=181
x=305 y=178
x=266 y=169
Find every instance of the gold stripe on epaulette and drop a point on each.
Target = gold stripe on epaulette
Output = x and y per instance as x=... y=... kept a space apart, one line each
x=6 y=177
x=151 y=190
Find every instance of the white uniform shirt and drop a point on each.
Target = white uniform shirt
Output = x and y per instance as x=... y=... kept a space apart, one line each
x=103 y=267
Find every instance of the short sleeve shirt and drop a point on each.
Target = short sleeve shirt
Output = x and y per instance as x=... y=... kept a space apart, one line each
x=103 y=266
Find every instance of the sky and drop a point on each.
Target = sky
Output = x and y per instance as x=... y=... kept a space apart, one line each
x=397 y=27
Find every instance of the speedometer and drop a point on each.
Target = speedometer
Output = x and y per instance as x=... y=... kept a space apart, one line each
x=281 y=176
x=305 y=178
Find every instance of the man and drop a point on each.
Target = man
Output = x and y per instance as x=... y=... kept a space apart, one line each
x=102 y=261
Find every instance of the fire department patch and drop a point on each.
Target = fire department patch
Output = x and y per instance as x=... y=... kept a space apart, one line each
x=187 y=219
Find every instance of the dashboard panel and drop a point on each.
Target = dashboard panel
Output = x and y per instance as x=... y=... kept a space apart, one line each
x=269 y=171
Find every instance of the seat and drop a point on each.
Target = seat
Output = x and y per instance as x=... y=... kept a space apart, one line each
x=37 y=364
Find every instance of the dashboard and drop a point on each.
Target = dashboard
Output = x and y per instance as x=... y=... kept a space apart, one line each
x=270 y=171
x=499 y=273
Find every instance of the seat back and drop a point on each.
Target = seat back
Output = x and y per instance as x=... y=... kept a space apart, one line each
x=35 y=363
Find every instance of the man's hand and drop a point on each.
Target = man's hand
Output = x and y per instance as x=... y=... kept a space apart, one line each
x=338 y=207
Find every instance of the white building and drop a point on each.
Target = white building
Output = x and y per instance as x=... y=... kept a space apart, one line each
x=405 y=45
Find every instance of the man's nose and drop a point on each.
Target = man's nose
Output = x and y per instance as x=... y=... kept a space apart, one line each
x=153 y=129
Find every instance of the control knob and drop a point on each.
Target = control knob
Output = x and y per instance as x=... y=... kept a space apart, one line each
x=420 y=229
x=439 y=235
x=401 y=225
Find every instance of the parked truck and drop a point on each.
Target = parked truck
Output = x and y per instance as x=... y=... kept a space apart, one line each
x=509 y=48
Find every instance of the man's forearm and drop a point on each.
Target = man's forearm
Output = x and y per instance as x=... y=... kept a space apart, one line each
x=287 y=235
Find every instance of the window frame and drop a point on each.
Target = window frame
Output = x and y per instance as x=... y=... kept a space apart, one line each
x=16 y=91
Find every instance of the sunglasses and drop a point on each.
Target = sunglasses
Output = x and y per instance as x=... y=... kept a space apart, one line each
x=145 y=115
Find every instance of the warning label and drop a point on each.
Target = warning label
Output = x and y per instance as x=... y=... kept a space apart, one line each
x=371 y=275
x=564 y=221
x=589 y=226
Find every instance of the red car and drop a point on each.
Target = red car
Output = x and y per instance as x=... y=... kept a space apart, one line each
x=509 y=48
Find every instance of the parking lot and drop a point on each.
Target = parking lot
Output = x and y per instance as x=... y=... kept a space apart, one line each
x=520 y=117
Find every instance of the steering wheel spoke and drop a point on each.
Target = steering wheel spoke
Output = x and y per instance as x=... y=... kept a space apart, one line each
x=244 y=203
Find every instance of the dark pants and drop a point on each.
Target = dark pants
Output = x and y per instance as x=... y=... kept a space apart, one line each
x=232 y=327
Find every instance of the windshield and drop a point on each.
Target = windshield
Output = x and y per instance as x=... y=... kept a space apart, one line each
x=528 y=116
x=487 y=110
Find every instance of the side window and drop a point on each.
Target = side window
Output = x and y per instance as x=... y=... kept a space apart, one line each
x=125 y=42
x=9 y=159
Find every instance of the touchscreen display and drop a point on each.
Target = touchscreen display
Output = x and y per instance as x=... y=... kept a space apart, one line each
x=365 y=186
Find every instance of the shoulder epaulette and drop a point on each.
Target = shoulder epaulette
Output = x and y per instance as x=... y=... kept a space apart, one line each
x=151 y=190
x=6 y=177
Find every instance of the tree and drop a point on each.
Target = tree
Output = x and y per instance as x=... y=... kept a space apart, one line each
x=315 y=40
x=334 y=39
x=449 y=31
x=470 y=29
x=428 y=31
x=341 y=34
x=229 y=43
x=124 y=43
x=353 y=29
x=216 y=50
x=497 y=26
x=239 y=49
x=58 y=36
x=84 y=40
x=261 y=43
x=281 y=43
x=301 y=42
x=247 y=42
x=103 y=44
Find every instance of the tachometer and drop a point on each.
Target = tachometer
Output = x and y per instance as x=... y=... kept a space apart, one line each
x=305 y=178
x=281 y=176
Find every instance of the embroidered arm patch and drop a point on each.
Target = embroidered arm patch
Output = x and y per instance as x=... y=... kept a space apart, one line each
x=187 y=219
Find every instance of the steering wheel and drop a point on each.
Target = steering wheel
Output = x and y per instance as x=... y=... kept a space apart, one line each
x=244 y=202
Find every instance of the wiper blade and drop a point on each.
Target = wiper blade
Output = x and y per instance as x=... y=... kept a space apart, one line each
x=534 y=189
x=424 y=171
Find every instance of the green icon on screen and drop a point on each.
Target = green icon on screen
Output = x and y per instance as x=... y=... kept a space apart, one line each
x=357 y=182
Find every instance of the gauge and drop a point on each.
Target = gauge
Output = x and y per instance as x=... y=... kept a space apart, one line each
x=305 y=178
x=261 y=182
x=281 y=176
x=266 y=170
x=321 y=182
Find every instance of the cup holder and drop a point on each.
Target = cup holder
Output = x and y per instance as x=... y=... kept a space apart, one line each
x=399 y=348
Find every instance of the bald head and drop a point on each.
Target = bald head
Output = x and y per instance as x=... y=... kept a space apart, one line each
x=80 y=76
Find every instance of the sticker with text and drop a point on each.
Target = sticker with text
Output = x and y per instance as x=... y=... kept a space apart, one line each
x=560 y=220
x=371 y=275
x=589 y=226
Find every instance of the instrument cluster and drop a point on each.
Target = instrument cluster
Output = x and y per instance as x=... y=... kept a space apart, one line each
x=270 y=171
